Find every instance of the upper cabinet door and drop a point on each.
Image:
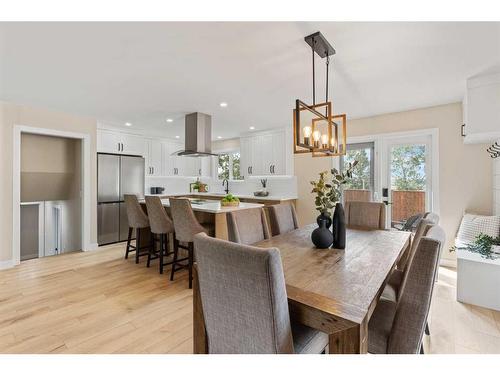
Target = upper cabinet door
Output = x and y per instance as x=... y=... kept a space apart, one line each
x=155 y=158
x=245 y=156
x=108 y=141
x=279 y=153
x=266 y=153
x=134 y=145
x=167 y=159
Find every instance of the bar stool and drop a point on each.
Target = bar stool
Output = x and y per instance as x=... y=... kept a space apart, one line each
x=137 y=219
x=186 y=226
x=162 y=226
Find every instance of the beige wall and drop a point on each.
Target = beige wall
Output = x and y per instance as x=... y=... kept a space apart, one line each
x=12 y=114
x=50 y=168
x=465 y=171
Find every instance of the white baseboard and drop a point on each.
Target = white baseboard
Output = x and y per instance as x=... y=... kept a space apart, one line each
x=6 y=264
x=91 y=247
x=452 y=263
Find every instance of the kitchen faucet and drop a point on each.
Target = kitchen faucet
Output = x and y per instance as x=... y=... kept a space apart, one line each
x=226 y=183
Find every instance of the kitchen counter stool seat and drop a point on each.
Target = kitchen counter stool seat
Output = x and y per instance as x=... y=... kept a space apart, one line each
x=186 y=227
x=137 y=219
x=162 y=226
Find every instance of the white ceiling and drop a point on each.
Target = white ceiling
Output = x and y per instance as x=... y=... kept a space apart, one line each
x=145 y=72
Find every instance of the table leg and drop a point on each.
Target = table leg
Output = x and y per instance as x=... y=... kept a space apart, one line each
x=221 y=226
x=200 y=343
x=352 y=340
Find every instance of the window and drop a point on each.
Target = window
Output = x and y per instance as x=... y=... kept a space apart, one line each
x=228 y=166
x=361 y=186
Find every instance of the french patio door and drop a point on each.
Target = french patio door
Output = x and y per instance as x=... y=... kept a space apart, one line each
x=407 y=178
x=395 y=169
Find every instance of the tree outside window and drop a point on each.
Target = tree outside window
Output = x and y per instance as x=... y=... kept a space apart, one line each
x=229 y=166
x=408 y=167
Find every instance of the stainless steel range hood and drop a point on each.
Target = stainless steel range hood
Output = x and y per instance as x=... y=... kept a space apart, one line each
x=198 y=136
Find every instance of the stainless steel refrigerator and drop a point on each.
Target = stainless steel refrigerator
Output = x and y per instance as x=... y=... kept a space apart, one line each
x=116 y=175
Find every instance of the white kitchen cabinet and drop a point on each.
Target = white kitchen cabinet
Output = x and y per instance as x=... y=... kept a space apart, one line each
x=481 y=108
x=108 y=141
x=120 y=143
x=264 y=154
x=154 y=158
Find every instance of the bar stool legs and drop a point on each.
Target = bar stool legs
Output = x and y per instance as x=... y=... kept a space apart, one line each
x=129 y=246
x=189 y=258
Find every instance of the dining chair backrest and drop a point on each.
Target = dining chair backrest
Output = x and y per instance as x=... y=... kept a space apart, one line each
x=422 y=228
x=136 y=216
x=244 y=297
x=159 y=221
x=432 y=217
x=370 y=215
x=282 y=218
x=247 y=226
x=417 y=287
x=185 y=223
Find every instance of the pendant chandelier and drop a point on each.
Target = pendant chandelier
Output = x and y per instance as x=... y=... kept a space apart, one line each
x=316 y=129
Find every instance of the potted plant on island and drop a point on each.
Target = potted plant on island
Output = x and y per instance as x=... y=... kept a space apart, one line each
x=230 y=200
x=328 y=190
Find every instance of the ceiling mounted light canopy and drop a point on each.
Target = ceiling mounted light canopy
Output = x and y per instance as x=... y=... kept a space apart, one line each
x=316 y=129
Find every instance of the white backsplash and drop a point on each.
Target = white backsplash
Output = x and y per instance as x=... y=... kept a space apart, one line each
x=283 y=186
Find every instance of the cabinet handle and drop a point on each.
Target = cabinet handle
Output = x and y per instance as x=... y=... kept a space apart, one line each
x=270 y=169
x=153 y=169
x=273 y=169
x=118 y=146
x=463 y=130
x=199 y=171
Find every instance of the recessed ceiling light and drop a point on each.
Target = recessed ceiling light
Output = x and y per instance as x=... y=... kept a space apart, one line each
x=219 y=137
x=223 y=104
x=128 y=124
x=170 y=120
x=177 y=136
x=252 y=128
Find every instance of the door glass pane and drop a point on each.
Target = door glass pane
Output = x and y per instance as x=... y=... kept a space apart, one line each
x=360 y=187
x=408 y=183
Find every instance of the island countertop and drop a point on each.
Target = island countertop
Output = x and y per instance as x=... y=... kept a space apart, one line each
x=217 y=195
x=214 y=206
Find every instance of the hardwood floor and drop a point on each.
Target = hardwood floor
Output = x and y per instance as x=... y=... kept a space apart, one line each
x=98 y=302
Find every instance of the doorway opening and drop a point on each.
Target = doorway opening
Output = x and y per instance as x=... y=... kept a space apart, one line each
x=83 y=228
x=50 y=195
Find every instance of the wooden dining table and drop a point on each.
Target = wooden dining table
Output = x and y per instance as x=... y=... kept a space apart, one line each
x=332 y=290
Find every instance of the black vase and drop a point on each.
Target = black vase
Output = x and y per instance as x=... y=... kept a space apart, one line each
x=321 y=237
x=339 y=227
x=324 y=217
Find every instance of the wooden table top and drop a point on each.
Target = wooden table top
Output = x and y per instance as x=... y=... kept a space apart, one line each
x=344 y=283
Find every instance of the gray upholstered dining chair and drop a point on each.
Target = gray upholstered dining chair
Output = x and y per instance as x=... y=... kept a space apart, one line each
x=369 y=215
x=398 y=327
x=186 y=226
x=247 y=226
x=244 y=301
x=432 y=217
x=137 y=219
x=162 y=226
x=282 y=218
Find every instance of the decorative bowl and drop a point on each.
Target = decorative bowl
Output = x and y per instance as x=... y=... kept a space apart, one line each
x=230 y=204
x=261 y=193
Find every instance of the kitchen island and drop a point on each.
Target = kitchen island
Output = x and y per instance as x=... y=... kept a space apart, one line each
x=207 y=210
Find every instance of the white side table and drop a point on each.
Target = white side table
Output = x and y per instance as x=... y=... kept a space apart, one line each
x=478 y=280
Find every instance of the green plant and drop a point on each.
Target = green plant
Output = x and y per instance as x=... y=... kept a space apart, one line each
x=230 y=198
x=328 y=192
x=482 y=245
